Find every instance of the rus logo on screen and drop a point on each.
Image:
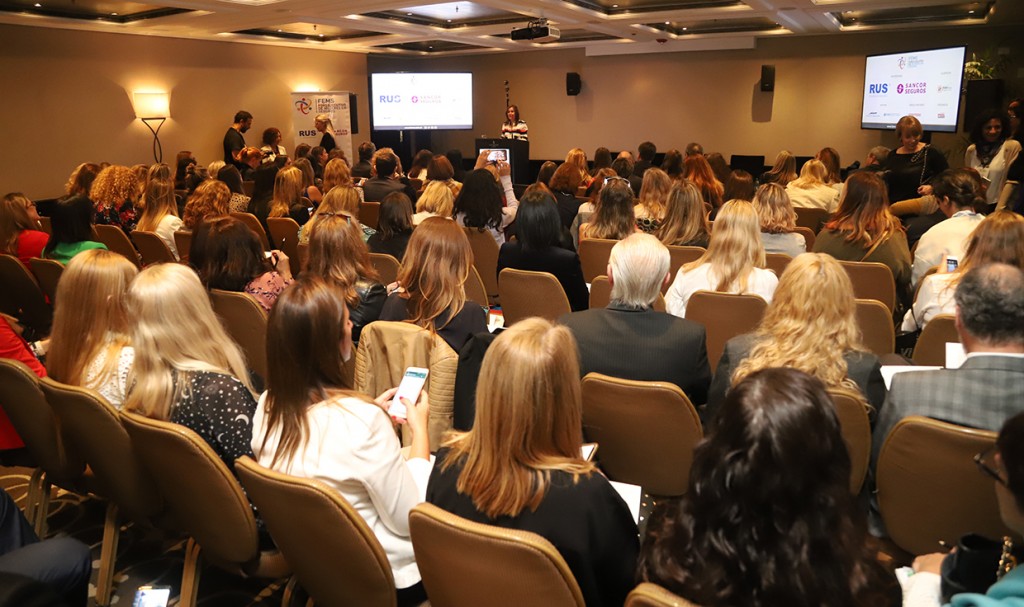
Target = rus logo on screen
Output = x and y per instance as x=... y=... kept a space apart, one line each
x=878 y=89
x=390 y=98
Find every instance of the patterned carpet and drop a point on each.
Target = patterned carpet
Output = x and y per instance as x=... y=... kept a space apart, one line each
x=144 y=558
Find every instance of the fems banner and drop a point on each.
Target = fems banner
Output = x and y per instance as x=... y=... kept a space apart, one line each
x=307 y=106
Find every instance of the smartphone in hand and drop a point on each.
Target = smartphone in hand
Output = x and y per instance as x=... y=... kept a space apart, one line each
x=410 y=388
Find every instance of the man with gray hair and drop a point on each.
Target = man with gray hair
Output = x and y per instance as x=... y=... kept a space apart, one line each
x=988 y=388
x=630 y=339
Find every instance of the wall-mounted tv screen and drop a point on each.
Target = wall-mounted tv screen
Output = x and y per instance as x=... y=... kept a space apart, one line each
x=404 y=101
x=924 y=84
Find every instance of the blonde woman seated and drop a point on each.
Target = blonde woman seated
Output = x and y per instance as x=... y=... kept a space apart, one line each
x=435 y=201
x=520 y=466
x=339 y=200
x=311 y=424
x=733 y=263
x=187 y=370
x=288 y=192
x=430 y=291
x=211 y=199
x=650 y=207
x=161 y=213
x=778 y=221
x=810 y=325
x=578 y=158
x=89 y=343
x=999 y=238
x=809 y=191
x=336 y=173
x=613 y=218
x=782 y=172
x=685 y=222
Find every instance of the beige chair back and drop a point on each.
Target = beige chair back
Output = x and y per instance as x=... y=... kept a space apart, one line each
x=876 y=328
x=601 y=294
x=316 y=529
x=285 y=232
x=47 y=273
x=872 y=280
x=183 y=242
x=117 y=241
x=929 y=488
x=638 y=423
x=678 y=257
x=931 y=344
x=246 y=322
x=369 y=214
x=485 y=259
x=777 y=262
x=810 y=218
x=652 y=595
x=152 y=248
x=387 y=266
x=525 y=294
x=724 y=316
x=21 y=296
x=855 y=425
x=465 y=564
x=476 y=292
x=594 y=254
x=254 y=224
x=809 y=236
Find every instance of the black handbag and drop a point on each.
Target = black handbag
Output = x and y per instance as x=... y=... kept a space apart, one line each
x=976 y=564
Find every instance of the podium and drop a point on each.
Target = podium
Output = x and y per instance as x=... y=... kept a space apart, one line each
x=518 y=155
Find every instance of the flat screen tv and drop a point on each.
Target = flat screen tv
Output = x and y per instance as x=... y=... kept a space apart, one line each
x=410 y=101
x=924 y=84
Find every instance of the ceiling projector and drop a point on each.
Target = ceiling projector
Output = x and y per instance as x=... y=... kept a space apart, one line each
x=537 y=31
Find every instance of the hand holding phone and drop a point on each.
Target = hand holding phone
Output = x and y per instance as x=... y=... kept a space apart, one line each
x=409 y=389
x=952 y=263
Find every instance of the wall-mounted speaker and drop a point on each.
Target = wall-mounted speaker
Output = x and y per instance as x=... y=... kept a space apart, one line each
x=353 y=114
x=767 y=78
x=573 y=84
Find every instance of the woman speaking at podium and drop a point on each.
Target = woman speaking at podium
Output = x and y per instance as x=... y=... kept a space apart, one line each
x=514 y=127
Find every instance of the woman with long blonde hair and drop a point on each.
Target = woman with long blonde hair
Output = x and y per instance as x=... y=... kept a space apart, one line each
x=578 y=158
x=287 y=199
x=19 y=228
x=733 y=263
x=810 y=191
x=114 y=194
x=309 y=189
x=435 y=201
x=650 y=206
x=782 y=172
x=520 y=466
x=810 y=325
x=337 y=253
x=161 y=213
x=89 y=343
x=340 y=199
x=685 y=221
x=778 y=221
x=336 y=173
x=187 y=369
x=430 y=291
x=210 y=200
x=613 y=218
x=999 y=238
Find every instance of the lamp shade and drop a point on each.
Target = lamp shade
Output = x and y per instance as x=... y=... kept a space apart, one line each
x=152 y=105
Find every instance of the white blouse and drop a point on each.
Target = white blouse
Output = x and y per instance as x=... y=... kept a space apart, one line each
x=760 y=282
x=817 y=197
x=996 y=170
x=353 y=448
x=934 y=297
x=169 y=224
x=114 y=386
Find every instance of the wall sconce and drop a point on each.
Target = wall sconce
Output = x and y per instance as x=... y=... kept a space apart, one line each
x=150 y=108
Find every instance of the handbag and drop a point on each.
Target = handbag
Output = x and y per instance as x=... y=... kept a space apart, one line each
x=976 y=564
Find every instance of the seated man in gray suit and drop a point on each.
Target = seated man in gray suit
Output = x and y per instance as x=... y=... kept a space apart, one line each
x=989 y=388
x=386 y=179
x=631 y=340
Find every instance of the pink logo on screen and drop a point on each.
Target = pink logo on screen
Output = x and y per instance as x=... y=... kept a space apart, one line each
x=899 y=88
x=426 y=99
x=902 y=63
x=303 y=105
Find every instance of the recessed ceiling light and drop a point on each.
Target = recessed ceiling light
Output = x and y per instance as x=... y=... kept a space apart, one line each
x=684 y=29
x=279 y=31
x=37 y=5
x=971 y=11
x=113 y=14
x=321 y=35
x=408 y=14
x=667 y=23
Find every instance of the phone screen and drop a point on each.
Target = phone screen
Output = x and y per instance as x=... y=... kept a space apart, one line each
x=410 y=388
x=951 y=264
x=152 y=596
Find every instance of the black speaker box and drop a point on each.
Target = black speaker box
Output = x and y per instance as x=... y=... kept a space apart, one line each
x=353 y=114
x=981 y=95
x=573 y=84
x=767 y=78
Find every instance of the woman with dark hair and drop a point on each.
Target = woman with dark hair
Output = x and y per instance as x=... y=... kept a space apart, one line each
x=184 y=160
x=538 y=235
x=958 y=195
x=673 y=164
x=564 y=183
x=743 y=534
x=992 y=151
x=394 y=226
x=440 y=169
x=455 y=159
x=271 y=145
x=514 y=127
x=833 y=173
x=317 y=159
x=697 y=170
x=913 y=164
x=613 y=218
x=546 y=172
x=739 y=186
x=229 y=175
x=71 y=229
x=718 y=166
x=479 y=205
x=263 y=190
x=782 y=172
x=420 y=162
x=80 y=181
x=602 y=160
x=233 y=260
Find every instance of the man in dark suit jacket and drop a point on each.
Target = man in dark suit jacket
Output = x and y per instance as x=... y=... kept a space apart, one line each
x=386 y=181
x=631 y=340
x=988 y=388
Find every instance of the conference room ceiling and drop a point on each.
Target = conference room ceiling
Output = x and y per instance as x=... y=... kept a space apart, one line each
x=415 y=28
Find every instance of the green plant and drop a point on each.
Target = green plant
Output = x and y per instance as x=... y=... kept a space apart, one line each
x=985 y=65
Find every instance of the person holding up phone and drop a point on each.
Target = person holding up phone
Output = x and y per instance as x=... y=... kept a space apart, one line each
x=311 y=424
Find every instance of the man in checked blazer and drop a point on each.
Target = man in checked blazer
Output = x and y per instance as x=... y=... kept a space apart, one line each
x=989 y=388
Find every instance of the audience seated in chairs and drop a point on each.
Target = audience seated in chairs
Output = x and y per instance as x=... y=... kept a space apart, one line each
x=287 y=199
x=440 y=169
x=430 y=291
x=20 y=233
x=650 y=205
x=957 y=193
x=810 y=326
x=232 y=259
x=520 y=466
x=115 y=193
x=782 y=172
x=631 y=340
x=731 y=540
x=613 y=216
x=685 y=222
x=340 y=199
x=335 y=174
x=239 y=202
x=436 y=200
x=699 y=172
x=210 y=200
x=89 y=343
x=71 y=224
x=733 y=263
x=160 y=215
x=810 y=190
x=778 y=221
x=311 y=424
x=394 y=226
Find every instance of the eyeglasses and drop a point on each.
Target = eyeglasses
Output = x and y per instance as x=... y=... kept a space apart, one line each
x=980 y=458
x=608 y=180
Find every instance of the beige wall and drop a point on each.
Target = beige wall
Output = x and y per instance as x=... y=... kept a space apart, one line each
x=711 y=97
x=66 y=97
